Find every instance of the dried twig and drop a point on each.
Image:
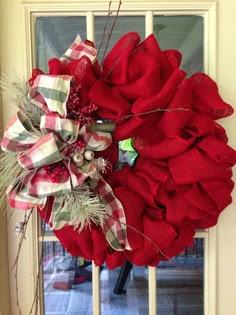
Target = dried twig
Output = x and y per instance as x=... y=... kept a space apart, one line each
x=150 y=240
x=153 y=111
x=118 y=59
x=110 y=33
x=16 y=262
x=36 y=293
x=16 y=265
x=105 y=28
x=26 y=220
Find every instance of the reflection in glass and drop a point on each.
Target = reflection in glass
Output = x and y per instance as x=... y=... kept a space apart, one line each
x=55 y=34
x=123 y=25
x=45 y=229
x=66 y=281
x=68 y=288
x=184 y=33
x=180 y=284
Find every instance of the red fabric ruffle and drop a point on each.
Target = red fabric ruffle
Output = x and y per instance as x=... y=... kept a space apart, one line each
x=182 y=178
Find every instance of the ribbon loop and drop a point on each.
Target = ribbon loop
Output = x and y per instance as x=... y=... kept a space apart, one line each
x=45 y=152
x=40 y=186
x=51 y=92
x=20 y=134
x=95 y=140
x=67 y=129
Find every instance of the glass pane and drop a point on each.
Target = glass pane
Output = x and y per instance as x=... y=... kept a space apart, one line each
x=180 y=284
x=55 y=34
x=67 y=282
x=45 y=229
x=184 y=33
x=124 y=291
x=123 y=25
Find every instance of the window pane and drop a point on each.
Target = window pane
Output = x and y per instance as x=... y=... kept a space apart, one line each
x=66 y=282
x=123 y=25
x=180 y=284
x=55 y=34
x=45 y=229
x=68 y=289
x=184 y=33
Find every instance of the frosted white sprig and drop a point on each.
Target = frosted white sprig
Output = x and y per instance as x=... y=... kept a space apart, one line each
x=16 y=92
x=84 y=207
x=9 y=169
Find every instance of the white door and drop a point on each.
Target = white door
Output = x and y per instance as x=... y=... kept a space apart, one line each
x=18 y=50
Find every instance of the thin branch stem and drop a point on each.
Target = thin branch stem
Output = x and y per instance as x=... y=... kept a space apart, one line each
x=118 y=59
x=105 y=28
x=150 y=240
x=153 y=111
x=16 y=263
x=109 y=126
x=36 y=294
x=26 y=220
x=110 y=33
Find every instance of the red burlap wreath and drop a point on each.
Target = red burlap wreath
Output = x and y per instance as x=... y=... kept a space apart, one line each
x=181 y=180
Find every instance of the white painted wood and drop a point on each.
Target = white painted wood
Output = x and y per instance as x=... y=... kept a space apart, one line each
x=210 y=273
x=149 y=23
x=219 y=242
x=179 y=7
x=210 y=35
x=96 y=290
x=90 y=26
x=152 y=290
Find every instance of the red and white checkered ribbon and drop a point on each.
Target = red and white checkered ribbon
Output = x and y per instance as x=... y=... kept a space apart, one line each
x=50 y=91
x=37 y=149
x=79 y=49
x=115 y=224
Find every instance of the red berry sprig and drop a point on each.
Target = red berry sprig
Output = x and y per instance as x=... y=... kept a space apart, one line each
x=56 y=172
x=78 y=111
x=78 y=145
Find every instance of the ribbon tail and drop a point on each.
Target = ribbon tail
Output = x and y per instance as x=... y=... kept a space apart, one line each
x=114 y=225
x=46 y=151
x=18 y=196
x=95 y=140
x=59 y=216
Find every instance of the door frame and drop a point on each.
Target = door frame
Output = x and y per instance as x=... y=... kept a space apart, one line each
x=29 y=11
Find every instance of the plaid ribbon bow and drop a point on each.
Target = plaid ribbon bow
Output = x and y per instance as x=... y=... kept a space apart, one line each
x=39 y=148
